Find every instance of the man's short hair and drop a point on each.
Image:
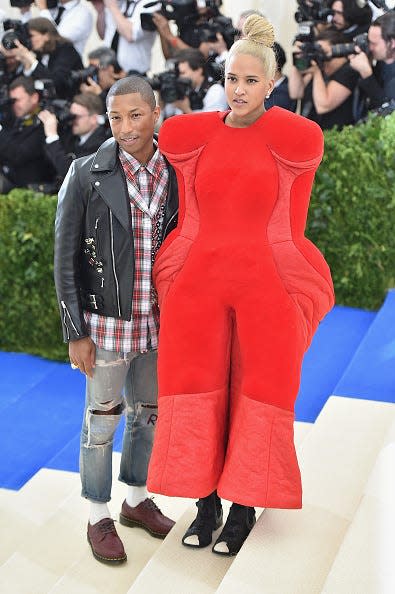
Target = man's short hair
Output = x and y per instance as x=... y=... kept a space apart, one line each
x=27 y=82
x=193 y=57
x=386 y=22
x=92 y=103
x=133 y=84
x=106 y=57
x=280 y=56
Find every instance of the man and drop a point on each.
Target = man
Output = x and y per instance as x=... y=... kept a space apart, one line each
x=280 y=94
x=115 y=207
x=119 y=25
x=73 y=19
x=87 y=133
x=108 y=72
x=377 y=83
x=351 y=17
x=22 y=155
x=206 y=94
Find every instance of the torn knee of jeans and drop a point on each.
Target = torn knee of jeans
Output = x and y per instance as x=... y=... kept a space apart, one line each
x=116 y=410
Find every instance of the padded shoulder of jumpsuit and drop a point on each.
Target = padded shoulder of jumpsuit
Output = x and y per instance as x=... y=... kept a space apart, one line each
x=186 y=133
x=293 y=137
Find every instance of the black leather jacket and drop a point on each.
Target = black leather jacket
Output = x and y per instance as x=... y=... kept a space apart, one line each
x=94 y=253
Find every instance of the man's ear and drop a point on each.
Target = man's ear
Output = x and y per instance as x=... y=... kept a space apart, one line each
x=156 y=113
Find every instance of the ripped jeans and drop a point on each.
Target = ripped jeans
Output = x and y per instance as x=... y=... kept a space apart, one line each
x=122 y=382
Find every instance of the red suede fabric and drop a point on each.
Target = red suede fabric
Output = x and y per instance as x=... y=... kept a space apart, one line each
x=241 y=292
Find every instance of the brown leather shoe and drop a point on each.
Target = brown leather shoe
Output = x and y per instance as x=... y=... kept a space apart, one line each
x=105 y=543
x=146 y=515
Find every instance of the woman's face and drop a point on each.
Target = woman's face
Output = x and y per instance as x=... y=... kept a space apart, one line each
x=246 y=86
x=38 y=40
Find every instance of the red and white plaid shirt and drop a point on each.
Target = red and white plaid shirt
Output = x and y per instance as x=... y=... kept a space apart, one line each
x=147 y=187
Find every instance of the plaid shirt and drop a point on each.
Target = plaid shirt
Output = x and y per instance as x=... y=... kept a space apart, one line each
x=147 y=187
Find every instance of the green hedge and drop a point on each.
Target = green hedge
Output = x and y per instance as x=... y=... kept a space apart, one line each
x=351 y=219
x=352 y=213
x=29 y=318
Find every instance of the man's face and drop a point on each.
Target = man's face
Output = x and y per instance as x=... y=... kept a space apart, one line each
x=132 y=123
x=378 y=47
x=186 y=71
x=338 y=20
x=24 y=104
x=83 y=121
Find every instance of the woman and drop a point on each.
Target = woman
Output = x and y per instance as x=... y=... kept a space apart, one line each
x=241 y=293
x=51 y=57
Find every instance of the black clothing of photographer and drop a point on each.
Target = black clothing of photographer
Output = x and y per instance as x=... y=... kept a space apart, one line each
x=350 y=17
x=51 y=57
x=377 y=82
x=84 y=136
x=22 y=145
x=327 y=85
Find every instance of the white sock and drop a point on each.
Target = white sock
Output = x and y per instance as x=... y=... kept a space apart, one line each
x=97 y=512
x=136 y=495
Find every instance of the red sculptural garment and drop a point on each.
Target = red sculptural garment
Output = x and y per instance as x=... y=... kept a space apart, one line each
x=241 y=292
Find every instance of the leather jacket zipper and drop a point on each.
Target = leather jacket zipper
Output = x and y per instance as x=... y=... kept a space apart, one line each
x=113 y=264
x=66 y=311
x=168 y=223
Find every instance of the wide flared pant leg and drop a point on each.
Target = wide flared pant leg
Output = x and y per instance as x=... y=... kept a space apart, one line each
x=261 y=467
x=193 y=372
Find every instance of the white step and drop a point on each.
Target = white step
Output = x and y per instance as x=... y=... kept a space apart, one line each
x=46 y=523
x=291 y=551
x=184 y=570
x=365 y=560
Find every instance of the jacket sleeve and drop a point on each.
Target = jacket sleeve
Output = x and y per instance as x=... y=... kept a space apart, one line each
x=56 y=154
x=69 y=224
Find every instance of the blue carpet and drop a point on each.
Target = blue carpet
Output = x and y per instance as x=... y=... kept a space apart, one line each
x=42 y=402
x=371 y=373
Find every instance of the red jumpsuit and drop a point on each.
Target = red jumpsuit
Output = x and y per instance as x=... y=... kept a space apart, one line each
x=241 y=292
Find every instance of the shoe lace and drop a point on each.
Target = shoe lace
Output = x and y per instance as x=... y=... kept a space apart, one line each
x=152 y=505
x=107 y=527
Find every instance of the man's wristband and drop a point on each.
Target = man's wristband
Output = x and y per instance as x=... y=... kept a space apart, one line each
x=174 y=42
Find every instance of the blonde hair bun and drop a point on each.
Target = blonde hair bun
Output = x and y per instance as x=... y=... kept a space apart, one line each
x=258 y=29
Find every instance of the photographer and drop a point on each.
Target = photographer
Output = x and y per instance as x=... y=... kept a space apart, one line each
x=119 y=25
x=51 y=56
x=377 y=82
x=204 y=94
x=22 y=154
x=104 y=60
x=72 y=18
x=199 y=27
x=85 y=136
x=324 y=84
x=351 y=17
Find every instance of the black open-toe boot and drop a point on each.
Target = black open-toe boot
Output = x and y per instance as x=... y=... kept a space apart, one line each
x=208 y=519
x=240 y=521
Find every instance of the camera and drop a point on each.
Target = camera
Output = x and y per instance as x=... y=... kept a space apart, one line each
x=15 y=29
x=81 y=76
x=60 y=107
x=346 y=49
x=170 y=85
x=172 y=10
x=218 y=24
x=309 y=51
x=316 y=10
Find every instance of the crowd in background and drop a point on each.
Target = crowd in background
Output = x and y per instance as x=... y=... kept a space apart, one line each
x=52 y=104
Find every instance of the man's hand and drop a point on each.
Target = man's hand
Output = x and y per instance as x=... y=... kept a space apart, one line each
x=82 y=354
x=360 y=62
x=183 y=104
x=50 y=122
x=162 y=25
x=90 y=86
x=22 y=54
x=41 y=4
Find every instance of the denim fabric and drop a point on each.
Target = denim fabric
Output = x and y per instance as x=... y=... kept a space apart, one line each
x=127 y=381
